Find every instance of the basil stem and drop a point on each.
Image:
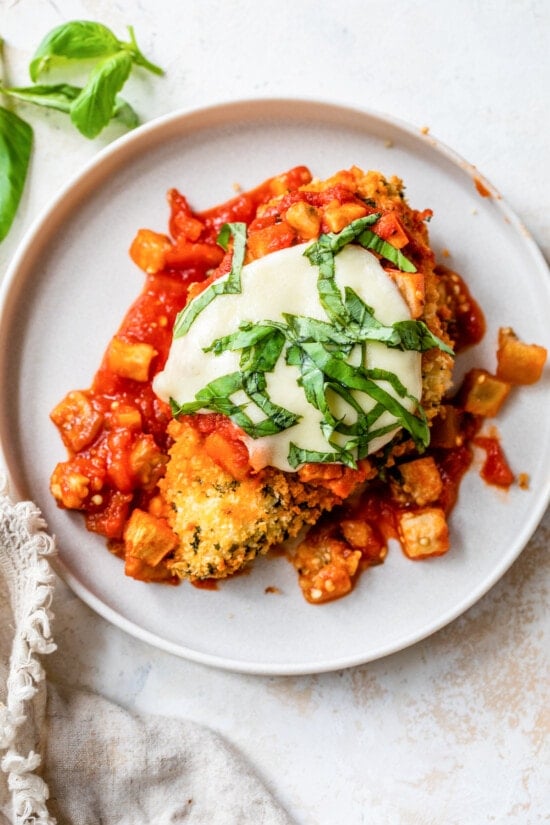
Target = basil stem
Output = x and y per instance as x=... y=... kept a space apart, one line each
x=139 y=57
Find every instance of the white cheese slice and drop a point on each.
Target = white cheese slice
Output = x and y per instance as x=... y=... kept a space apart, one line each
x=286 y=282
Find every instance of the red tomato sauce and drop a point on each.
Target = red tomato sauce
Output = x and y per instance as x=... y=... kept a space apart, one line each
x=465 y=319
x=495 y=469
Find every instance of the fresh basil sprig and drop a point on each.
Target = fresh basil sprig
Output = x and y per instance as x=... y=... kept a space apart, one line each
x=113 y=59
x=90 y=108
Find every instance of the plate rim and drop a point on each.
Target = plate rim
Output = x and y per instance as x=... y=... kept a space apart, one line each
x=114 y=152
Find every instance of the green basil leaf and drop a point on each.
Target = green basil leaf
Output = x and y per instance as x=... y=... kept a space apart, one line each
x=334 y=242
x=369 y=240
x=221 y=388
x=60 y=96
x=124 y=113
x=362 y=431
x=313 y=382
x=406 y=335
x=188 y=408
x=76 y=40
x=16 y=139
x=363 y=444
x=260 y=346
x=215 y=396
x=322 y=256
x=56 y=96
x=349 y=398
x=92 y=110
x=378 y=374
x=224 y=236
x=228 y=286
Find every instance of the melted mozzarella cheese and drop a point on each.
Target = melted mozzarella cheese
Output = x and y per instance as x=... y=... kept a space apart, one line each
x=286 y=282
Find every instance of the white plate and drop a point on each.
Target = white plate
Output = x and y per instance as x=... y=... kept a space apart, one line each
x=72 y=281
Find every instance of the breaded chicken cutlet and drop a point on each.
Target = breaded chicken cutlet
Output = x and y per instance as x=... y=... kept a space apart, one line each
x=223 y=522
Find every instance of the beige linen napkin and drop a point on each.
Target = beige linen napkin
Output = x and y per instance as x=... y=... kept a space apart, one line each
x=73 y=758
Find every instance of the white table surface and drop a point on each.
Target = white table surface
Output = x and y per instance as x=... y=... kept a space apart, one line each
x=456 y=728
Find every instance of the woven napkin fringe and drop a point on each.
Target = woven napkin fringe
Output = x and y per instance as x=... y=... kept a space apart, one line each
x=29 y=791
x=32 y=582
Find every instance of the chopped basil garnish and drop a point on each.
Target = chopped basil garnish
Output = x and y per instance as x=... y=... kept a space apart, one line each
x=369 y=240
x=330 y=356
x=297 y=456
x=323 y=370
x=230 y=285
x=216 y=396
x=321 y=254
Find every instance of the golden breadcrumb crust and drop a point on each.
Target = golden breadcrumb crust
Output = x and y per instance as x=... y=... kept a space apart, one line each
x=223 y=522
